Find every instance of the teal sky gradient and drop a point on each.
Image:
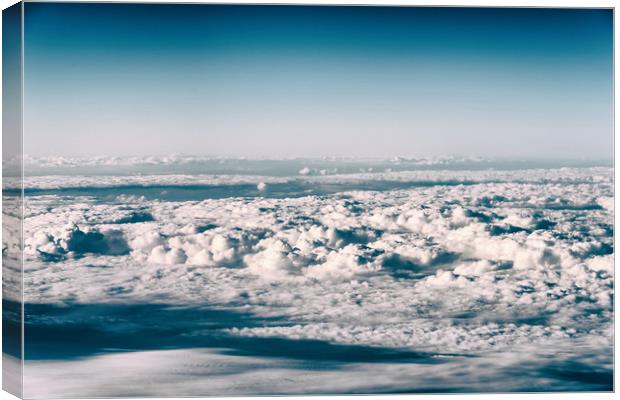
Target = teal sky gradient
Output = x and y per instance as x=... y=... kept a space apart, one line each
x=128 y=79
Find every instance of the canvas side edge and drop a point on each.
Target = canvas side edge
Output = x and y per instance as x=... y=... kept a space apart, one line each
x=12 y=204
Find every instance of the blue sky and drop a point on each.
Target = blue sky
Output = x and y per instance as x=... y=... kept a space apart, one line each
x=136 y=79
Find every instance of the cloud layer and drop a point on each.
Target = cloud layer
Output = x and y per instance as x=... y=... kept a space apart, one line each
x=517 y=258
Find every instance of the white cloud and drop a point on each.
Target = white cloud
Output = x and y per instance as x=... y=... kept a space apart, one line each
x=358 y=267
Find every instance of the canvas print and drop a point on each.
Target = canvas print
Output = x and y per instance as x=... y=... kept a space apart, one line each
x=223 y=200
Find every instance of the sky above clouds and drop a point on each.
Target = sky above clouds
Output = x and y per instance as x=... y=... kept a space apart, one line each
x=129 y=79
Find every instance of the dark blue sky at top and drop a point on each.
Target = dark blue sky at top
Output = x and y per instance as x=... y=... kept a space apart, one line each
x=306 y=80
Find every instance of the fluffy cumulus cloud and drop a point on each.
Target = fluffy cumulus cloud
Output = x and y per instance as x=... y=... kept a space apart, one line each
x=501 y=258
x=71 y=241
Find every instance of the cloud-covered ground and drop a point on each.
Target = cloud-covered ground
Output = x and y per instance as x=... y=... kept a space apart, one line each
x=474 y=266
